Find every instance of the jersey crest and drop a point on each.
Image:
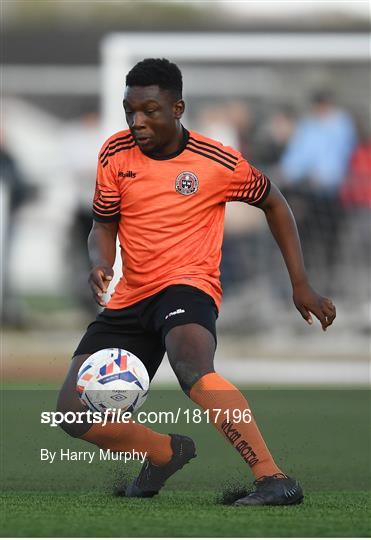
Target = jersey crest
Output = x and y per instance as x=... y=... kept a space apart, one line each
x=186 y=183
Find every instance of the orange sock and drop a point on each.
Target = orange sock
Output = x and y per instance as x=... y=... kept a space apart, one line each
x=214 y=392
x=129 y=437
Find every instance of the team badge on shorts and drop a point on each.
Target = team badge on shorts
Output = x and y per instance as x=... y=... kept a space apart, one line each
x=186 y=183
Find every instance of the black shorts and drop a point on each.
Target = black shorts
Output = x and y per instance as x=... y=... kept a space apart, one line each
x=141 y=328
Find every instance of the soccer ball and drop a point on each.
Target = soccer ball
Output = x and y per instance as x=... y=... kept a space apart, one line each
x=112 y=379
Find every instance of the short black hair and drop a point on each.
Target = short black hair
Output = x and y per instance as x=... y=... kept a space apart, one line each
x=157 y=71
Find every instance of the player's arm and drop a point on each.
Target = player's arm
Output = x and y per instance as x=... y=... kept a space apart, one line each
x=283 y=226
x=106 y=216
x=102 y=253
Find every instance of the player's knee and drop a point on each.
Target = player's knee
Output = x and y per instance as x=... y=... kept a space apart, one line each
x=60 y=415
x=185 y=363
x=69 y=409
x=191 y=354
x=73 y=428
x=186 y=377
x=68 y=418
x=189 y=375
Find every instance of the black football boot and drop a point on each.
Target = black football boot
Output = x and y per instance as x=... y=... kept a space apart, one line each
x=152 y=477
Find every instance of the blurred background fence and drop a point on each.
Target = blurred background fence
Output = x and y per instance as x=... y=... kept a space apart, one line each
x=287 y=83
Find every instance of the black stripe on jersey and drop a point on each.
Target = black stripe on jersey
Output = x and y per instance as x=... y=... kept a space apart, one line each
x=109 y=191
x=258 y=191
x=265 y=194
x=106 y=219
x=104 y=208
x=104 y=156
x=111 y=143
x=106 y=199
x=258 y=184
x=247 y=191
x=252 y=193
x=250 y=188
x=210 y=157
x=215 y=148
x=120 y=149
x=105 y=213
x=194 y=145
x=102 y=195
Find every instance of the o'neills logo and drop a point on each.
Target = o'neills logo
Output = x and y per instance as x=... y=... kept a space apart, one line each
x=186 y=183
x=127 y=174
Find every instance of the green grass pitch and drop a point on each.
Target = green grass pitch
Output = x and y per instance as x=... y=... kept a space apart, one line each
x=320 y=436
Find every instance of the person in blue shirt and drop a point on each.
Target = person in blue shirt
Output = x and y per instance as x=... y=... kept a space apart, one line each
x=314 y=166
x=321 y=146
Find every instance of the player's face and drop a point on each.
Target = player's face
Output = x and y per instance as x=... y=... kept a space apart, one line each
x=153 y=118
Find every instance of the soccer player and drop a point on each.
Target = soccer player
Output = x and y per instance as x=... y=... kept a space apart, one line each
x=162 y=190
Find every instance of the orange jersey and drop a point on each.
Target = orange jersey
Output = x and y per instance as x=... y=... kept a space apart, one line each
x=171 y=211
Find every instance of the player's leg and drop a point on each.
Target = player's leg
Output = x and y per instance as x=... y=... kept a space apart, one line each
x=190 y=349
x=165 y=453
x=115 y=436
x=186 y=318
x=190 y=339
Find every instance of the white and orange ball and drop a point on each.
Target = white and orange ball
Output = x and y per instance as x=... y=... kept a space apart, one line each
x=112 y=379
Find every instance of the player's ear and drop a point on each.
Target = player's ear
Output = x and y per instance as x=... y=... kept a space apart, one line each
x=178 y=108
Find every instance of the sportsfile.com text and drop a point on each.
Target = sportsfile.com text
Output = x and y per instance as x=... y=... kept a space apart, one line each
x=195 y=416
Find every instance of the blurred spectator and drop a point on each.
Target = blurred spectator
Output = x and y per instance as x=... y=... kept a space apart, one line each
x=355 y=196
x=314 y=167
x=239 y=115
x=231 y=123
x=321 y=146
x=356 y=190
x=15 y=192
x=274 y=137
x=81 y=142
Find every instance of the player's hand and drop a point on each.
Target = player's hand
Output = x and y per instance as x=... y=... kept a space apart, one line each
x=308 y=302
x=99 y=280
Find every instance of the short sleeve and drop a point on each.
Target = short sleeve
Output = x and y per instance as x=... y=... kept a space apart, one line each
x=248 y=184
x=107 y=197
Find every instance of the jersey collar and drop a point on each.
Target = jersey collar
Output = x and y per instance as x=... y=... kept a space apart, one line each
x=173 y=154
